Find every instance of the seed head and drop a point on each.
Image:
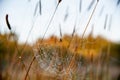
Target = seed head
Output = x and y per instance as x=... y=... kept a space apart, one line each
x=59 y=1
x=7 y=22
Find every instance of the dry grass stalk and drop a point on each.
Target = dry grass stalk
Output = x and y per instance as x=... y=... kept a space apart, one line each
x=29 y=68
x=89 y=22
x=42 y=39
x=72 y=60
x=22 y=50
x=21 y=54
x=50 y=21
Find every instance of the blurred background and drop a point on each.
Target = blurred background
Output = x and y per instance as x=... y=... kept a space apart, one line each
x=60 y=24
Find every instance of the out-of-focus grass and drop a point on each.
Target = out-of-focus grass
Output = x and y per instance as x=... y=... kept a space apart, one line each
x=53 y=58
x=71 y=58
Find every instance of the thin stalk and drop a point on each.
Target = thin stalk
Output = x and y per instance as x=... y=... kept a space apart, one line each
x=49 y=23
x=71 y=62
x=29 y=68
x=27 y=38
x=42 y=40
x=89 y=21
x=73 y=33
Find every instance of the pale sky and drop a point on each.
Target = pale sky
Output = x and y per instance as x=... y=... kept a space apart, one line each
x=21 y=18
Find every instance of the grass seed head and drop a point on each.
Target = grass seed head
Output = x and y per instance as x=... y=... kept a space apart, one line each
x=7 y=22
x=59 y=1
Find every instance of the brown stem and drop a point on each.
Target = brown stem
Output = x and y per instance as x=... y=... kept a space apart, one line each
x=29 y=68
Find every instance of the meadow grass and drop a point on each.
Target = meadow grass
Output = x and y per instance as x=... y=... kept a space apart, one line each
x=65 y=58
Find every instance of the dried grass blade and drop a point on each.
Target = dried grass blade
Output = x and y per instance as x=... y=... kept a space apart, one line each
x=29 y=68
x=89 y=20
